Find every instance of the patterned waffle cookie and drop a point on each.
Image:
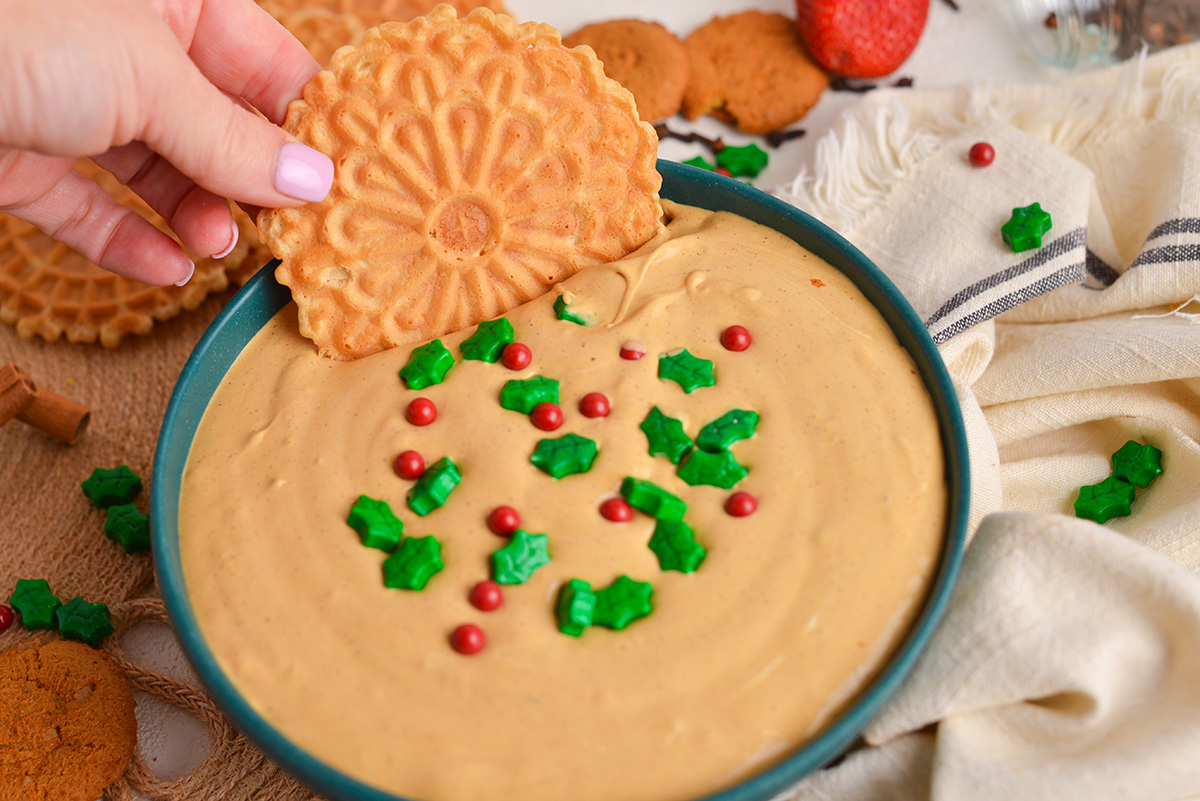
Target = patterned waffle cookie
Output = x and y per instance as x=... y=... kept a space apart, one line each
x=325 y=25
x=48 y=290
x=477 y=163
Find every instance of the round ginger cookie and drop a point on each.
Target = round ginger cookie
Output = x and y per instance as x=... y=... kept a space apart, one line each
x=48 y=290
x=752 y=70
x=644 y=57
x=477 y=162
x=67 y=726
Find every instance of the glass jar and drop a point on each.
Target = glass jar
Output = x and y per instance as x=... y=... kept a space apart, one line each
x=1073 y=33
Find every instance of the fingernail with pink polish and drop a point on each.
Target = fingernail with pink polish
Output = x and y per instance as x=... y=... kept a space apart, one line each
x=188 y=277
x=303 y=173
x=232 y=242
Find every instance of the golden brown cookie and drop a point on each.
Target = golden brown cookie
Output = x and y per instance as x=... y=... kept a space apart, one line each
x=477 y=163
x=67 y=727
x=323 y=26
x=644 y=57
x=751 y=69
x=48 y=290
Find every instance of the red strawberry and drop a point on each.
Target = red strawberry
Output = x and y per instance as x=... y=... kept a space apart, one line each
x=861 y=38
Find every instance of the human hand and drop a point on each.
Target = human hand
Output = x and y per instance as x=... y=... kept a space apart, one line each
x=159 y=93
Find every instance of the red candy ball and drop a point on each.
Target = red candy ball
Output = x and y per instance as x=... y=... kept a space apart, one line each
x=594 y=404
x=632 y=350
x=468 y=639
x=516 y=356
x=421 y=412
x=723 y=171
x=741 y=504
x=617 y=510
x=486 y=596
x=547 y=416
x=410 y=465
x=735 y=338
x=504 y=520
x=981 y=154
x=6 y=617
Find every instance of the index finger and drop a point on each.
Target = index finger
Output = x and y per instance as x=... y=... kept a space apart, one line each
x=241 y=48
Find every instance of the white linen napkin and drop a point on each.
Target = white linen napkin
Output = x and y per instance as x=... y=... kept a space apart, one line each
x=1068 y=664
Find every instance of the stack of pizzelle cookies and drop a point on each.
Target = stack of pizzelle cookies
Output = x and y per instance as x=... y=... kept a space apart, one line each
x=749 y=69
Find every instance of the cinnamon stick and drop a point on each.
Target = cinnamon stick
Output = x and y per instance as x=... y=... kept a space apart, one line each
x=48 y=412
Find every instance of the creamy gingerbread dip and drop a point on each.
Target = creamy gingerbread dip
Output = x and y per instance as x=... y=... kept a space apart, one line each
x=790 y=613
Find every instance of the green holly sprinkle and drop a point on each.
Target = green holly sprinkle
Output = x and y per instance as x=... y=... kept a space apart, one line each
x=416 y=561
x=747 y=160
x=686 y=370
x=1137 y=463
x=1101 y=502
x=1025 y=229
x=376 y=524
x=427 y=365
x=575 y=608
x=35 y=603
x=128 y=527
x=727 y=429
x=80 y=620
x=622 y=602
x=675 y=546
x=701 y=162
x=434 y=486
x=665 y=435
x=489 y=339
x=562 y=313
x=520 y=558
x=521 y=395
x=564 y=456
x=719 y=469
x=107 y=488
x=652 y=499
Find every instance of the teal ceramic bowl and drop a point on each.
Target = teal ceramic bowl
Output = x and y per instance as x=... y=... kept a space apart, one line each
x=258 y=301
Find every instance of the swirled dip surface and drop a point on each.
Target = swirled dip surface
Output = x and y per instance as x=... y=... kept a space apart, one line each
x=739 y=663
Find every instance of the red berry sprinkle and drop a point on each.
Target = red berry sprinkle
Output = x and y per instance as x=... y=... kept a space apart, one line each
x=594 y=404
x=981 y=154
x=410 y=465
x=617 y=510
x=421 y=412
x=486 y=596
x=741 y=504
x=468 y=639
x=547 y=416
x=723 y=171
x=6 y=617
x=516 y=356
x=632 y=350
x=504 y=520
x=735 y=338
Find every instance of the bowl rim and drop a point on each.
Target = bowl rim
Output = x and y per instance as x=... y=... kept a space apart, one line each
x=262 y=296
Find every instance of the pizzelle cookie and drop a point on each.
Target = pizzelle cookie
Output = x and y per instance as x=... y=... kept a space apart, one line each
x=751 y=69
x=477 y=163
x=48 y=290
x=67 y=725
x=644 y=57
x=325 y=25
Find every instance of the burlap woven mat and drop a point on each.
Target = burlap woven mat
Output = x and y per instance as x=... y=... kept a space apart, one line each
x=49 y=529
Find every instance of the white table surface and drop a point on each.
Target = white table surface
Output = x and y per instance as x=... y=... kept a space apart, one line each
x=977 y=43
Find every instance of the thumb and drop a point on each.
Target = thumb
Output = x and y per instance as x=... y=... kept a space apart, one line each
x=222 y=145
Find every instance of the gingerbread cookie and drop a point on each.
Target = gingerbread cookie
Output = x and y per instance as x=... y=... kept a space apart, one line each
x=478 y=163
x=644 y=57
x=67 y=727
x=750 y=69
